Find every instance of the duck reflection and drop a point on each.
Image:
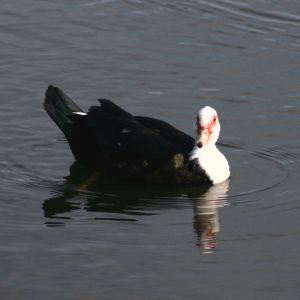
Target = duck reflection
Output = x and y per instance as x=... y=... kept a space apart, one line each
x=206 y=220
x=85 y=189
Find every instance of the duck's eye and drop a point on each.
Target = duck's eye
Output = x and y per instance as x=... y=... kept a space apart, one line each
x=215 y=119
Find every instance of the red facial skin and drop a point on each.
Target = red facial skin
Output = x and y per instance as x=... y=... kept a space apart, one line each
x=207 y=127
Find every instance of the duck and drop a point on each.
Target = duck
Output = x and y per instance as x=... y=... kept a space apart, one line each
x=118 y=144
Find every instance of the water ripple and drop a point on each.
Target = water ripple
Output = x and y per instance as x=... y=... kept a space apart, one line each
x=39 y=175
x=242 y=10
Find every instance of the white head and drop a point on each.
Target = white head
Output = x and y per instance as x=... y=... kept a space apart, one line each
x=207 y=126
x=210 y=159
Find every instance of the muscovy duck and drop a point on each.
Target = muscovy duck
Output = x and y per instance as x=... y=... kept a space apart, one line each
x=140 y=148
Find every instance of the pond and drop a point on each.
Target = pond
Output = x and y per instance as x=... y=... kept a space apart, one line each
x=72 y=234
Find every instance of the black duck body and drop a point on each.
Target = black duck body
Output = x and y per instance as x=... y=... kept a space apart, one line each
x=119 y=144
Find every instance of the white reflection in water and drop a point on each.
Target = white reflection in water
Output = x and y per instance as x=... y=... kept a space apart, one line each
x=207 y=223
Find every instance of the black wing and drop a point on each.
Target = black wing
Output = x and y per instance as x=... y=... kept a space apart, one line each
x=123 y=143
x=181 y=140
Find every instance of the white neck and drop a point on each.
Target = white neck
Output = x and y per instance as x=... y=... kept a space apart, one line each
x=212 y=161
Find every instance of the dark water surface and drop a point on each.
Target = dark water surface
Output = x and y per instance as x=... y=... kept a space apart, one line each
x=87 y=237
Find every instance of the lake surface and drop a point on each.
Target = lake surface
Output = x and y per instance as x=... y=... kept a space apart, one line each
x=85 y=237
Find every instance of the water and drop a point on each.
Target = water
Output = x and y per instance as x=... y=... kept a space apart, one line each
x=84 y=237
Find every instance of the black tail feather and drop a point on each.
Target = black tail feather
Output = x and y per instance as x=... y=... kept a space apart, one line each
x=60 y=108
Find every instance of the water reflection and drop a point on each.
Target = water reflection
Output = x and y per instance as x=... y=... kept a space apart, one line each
x=206 y=220
x=85 y=189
